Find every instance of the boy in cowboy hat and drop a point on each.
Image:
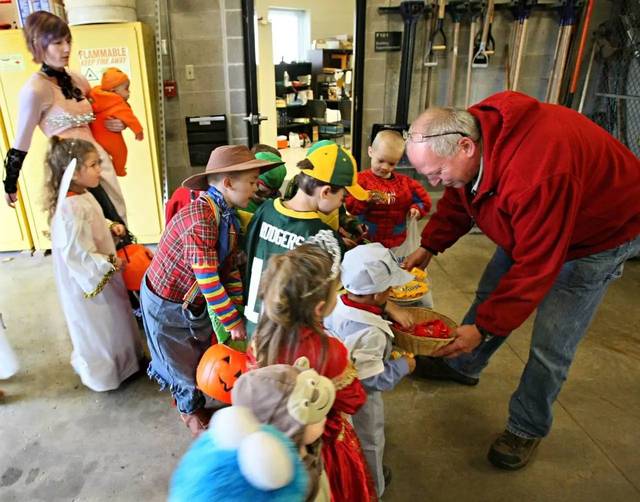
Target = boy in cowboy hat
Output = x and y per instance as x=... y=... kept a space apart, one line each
x=193 y=282
x=327 y=173
x=110 y=100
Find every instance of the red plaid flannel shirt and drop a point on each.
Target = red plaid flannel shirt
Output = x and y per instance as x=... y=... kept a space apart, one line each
x=387 y=222
x=190 y=237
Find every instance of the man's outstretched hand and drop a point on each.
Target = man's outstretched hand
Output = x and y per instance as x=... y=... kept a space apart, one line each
x=419 y=258
x=467 y=338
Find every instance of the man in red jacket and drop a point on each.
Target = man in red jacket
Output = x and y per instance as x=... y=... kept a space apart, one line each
x=561 y=199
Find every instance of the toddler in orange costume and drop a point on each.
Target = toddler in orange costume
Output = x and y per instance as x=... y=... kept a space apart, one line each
x=109 y=100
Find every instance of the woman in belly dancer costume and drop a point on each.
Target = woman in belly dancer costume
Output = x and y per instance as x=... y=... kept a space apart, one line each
x=54 y=99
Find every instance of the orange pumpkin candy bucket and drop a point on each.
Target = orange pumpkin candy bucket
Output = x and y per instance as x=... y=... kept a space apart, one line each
x=137 y=259
x=218 y=370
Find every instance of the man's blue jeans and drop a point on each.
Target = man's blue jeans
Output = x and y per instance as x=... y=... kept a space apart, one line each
x=561 y=321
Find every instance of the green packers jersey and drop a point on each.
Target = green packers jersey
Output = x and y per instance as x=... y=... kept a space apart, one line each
x=274 y=229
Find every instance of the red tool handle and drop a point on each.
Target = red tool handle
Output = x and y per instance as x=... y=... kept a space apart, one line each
x=583 y=42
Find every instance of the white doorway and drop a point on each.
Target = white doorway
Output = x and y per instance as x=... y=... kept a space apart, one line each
x=288 y=34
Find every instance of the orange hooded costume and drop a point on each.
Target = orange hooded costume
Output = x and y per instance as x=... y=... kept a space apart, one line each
x=108 y=104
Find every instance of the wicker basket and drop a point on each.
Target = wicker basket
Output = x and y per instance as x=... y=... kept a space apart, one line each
x=420 y=345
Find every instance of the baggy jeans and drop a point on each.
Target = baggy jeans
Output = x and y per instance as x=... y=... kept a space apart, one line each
x=561 y=322
x=177 y=339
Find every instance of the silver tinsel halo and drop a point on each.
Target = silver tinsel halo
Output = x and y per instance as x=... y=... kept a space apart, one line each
x=326 y=240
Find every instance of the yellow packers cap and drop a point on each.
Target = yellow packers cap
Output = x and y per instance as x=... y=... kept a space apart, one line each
x=335 y=165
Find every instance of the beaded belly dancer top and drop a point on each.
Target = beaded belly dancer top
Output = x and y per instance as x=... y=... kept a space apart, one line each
x=42 y=103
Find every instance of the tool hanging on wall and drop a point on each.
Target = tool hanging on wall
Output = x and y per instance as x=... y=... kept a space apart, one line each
x=587 y=77
x=456 y=12
x=567 y=23
x=481 y=58
x=521 y=12
x=474 y=16
x=554 y=61
x=437 y=43
x=568 y=100
x=439 y=38
x=429 y=56
x=491 y=42
x=507 y=66
x=430 y=61
x=490 y=49
x=411 y=12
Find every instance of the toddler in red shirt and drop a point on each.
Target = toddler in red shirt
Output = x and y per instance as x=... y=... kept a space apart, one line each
x=397 y=199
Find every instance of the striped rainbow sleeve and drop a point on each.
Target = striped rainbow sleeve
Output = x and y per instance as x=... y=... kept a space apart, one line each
x=233 y=286
x=218 y=301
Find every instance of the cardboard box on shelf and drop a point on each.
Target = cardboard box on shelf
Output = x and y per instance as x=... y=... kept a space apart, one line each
x=331 y=129
x=319 y=44
x=332 y=115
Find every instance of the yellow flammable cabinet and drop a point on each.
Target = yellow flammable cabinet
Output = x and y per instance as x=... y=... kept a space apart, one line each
x=14 y=229
x=128 y=46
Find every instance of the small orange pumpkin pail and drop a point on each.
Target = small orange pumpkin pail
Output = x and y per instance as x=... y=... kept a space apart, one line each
x=137 y=259
x=218 y=370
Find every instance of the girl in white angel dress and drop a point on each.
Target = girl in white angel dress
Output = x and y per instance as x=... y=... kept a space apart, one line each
x=106 y=342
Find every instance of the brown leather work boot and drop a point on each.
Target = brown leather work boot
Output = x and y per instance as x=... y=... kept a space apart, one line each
x=512 y=452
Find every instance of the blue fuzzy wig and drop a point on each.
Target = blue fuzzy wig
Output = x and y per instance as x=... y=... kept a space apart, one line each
x=209 y=473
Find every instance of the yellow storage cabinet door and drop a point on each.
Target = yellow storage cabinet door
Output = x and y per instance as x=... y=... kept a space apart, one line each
x=15 y=68
x=141 y=186
x=96 y=47
x=15 y=234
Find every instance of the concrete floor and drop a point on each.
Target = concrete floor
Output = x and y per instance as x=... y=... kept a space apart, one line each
x=60 y=441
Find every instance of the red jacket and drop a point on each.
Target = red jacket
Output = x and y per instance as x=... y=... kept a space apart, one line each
x=555 y=187
x=387 y=222
x=180 y=198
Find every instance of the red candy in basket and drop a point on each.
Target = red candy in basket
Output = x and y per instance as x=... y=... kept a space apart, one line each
x=432 y=329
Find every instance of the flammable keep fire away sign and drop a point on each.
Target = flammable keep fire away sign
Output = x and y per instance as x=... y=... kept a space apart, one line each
x=93 y=62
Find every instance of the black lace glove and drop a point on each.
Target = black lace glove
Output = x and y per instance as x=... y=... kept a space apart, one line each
x=12 y=165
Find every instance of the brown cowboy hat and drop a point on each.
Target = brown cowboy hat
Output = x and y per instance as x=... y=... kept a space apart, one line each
x=228 y=159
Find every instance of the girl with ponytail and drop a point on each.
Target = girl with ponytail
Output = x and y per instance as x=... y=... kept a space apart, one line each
x=298 y=290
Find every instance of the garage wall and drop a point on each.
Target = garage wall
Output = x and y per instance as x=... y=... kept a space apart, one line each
x=382 y=69
x=208 y=35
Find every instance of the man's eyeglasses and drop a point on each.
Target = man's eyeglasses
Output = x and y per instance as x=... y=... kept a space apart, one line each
x=417 y=137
